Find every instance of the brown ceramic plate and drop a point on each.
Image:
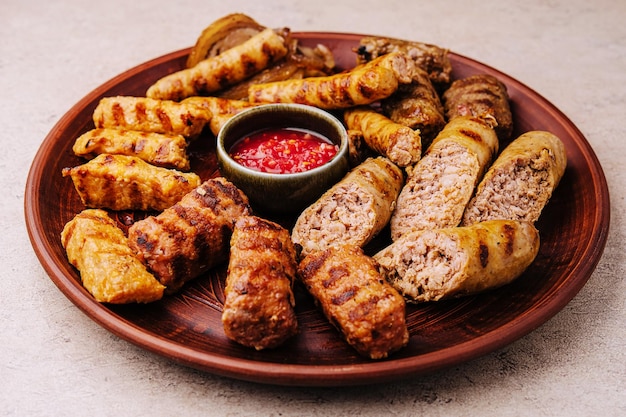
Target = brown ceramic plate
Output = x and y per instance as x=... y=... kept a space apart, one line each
x=186 y=327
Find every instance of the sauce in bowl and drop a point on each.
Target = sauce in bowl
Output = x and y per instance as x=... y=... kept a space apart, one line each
x=283 y=150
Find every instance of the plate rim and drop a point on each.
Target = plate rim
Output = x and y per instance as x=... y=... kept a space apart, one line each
x=299 y=374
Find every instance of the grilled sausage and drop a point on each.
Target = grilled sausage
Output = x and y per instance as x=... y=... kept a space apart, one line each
x=352 y=211
x=223 y=70
x=221 y=109
x=150 y=115
x=431 y=265
x=259 y=301
x=365 y=84
x=417 y=105
x=484 y=96
x=169 y=151
x=192 y=236
x=121 y=182
x=401 y=144
x=521 y=180
x=368 y=312
x=108 y=268
x=431 y=58
x=441 y=184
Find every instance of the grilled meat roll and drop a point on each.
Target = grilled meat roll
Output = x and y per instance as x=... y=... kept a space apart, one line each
x=483 y=96
x=221 y=109
x=365 y=84
x=521 y=180
x=259 y=301
x=347 y=286
x=353 y=211
x=401 y=144
x=121 y=182
x=431 y=265
x=225 y=69
x=150 y=115
x=108 y=268
x=431 y=58
x=417 y=105
x=168 y=151
x=192 y=236
x=441 y=184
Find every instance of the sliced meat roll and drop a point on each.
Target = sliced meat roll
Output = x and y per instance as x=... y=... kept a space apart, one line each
x=521 y=180
x=431 y=265
x=368 y=312
x=353 y=211
x=259 y=301
x=441 y=184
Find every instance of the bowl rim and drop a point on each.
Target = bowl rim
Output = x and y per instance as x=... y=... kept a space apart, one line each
x=224 y=155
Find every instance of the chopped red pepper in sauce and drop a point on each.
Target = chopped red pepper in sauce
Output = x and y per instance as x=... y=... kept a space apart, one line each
x=283 y=151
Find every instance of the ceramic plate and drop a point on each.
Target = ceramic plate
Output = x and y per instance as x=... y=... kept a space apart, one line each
x=186 y=327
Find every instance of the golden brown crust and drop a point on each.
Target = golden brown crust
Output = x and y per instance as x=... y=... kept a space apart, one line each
x=169 y=151
x=368 y=312
x=431 y=265
x=108 y=268
x=223 y=70
x=401 y=144
x=120 y=182
x=150 y=115
x=365 y=84
x=192 y=236
x=259 y=301
x=221 y=109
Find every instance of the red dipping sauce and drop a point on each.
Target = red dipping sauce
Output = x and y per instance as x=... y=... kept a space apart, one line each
x=283 y=150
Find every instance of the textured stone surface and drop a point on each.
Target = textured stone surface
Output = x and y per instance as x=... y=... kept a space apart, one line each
x=56 y=361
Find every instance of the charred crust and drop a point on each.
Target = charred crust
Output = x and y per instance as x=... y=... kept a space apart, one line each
x=508 y=233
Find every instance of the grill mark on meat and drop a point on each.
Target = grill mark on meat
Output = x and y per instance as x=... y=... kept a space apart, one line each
x=345 y=296
x=483 y=250
x=164 y=118
x=117 y=111
x=508 y=233
x=335 y=274
x=140 y=112
x=475 y=136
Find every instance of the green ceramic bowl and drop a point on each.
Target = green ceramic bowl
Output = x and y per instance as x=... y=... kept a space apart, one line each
x=282 y=193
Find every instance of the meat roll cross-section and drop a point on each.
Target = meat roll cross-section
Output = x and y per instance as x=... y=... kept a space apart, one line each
x=441 y=184
x=259 y=300
x=347 y=286
x=120 y=182
x=521 y=181
x=431 y=265
x=108 y=268
x=401 y=144
x=192 y=236
x=352 y=211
